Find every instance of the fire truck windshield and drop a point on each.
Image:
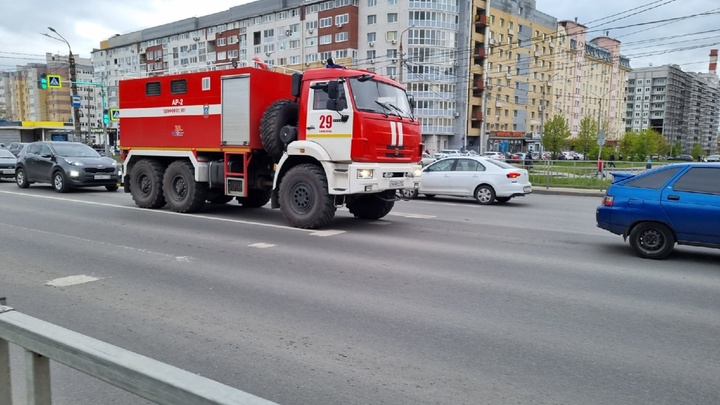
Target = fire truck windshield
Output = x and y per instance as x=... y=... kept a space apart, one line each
x=379 y=97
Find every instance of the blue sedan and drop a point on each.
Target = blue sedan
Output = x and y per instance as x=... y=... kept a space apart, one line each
x=678 y=203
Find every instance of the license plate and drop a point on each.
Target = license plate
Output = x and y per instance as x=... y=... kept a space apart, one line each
x=397 y=183
x=102 y=177
x=527 y=189
x=7 y=171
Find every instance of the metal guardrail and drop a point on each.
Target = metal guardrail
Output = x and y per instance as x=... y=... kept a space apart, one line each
x=153 y=380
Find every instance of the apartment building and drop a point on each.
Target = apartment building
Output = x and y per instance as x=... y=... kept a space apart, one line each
x=683 y=106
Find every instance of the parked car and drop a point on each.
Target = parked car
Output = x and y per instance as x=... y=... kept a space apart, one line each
x=672 y=204
x=713 y=158
x=427 y=159
x=484 y=179
x=495 y=155
x=447 y=153
x=16 y=147
x=686 y=158
x=66 y=165
x=8 y=161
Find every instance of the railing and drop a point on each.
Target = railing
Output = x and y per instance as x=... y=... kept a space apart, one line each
x=158 y=382
x=579 y=173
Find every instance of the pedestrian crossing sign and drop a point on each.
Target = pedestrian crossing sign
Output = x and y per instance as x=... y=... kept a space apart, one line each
x=114 y=114
x=54 y=81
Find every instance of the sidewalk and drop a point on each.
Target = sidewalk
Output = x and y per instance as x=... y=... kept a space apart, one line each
x=568 y=191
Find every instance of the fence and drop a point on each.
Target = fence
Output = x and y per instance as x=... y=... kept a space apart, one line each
x=158 y=382
x=579 y=173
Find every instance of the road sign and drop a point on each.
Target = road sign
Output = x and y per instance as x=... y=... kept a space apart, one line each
x=114 y=114
x=54 y=81
x=76 y=101
x=601 y=138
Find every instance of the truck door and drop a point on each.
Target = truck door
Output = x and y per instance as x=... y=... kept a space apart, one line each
x=330 y=129
x=236 y=110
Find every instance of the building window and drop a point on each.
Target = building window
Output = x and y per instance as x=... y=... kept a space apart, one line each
x=325 y=39
x=392 y=17
x=341 y=37
x=372 y=19
x=325 y=22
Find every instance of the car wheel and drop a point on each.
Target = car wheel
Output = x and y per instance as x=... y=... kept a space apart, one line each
x=20 y=178
x=484 y=194
x=112 y=188
x=502 y=200
x=652 y=240
x=409 y=193
x=430 y=195
x=59 y=183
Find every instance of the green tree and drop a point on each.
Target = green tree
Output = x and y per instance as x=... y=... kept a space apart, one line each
x=587 y=136
x=696 y=150
x=647 y=143
x=555 y=134
x=676 y=149
x=627 y=145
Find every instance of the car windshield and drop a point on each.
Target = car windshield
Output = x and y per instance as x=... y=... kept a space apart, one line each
x=74 y=150
x=4 y=153
x=374 y=96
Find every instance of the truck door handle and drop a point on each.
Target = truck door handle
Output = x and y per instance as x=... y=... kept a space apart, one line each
x=674 y=197
x=311 y=127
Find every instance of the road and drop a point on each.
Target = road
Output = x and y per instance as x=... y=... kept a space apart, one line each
x=442 y=302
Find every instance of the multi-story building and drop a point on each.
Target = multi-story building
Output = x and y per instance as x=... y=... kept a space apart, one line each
x=682 y=106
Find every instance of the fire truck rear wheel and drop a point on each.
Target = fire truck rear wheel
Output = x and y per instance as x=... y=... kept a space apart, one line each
x=371 y=206
x=304 y=197
x=182 y=192
x=255 y=198
x=146 y=184
x=279 y=114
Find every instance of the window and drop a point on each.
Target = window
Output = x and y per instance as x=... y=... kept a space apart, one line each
x=341 y=37
x=371 y=37
x=342 y=19
x=152 y=89
x=704 y=180
x=178 y=86
x=325 y=22
x=326 y=39
x=392 y=17
x=654 y=180
x=468 y=165
x=372 y=3
x=372 y=19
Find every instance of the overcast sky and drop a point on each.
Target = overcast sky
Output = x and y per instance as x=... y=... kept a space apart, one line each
x=85 y=23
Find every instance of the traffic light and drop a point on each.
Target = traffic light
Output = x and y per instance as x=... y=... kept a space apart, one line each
x=106 y=117
x=43 y=82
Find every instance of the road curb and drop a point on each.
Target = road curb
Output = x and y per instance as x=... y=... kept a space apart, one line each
x=569 y=191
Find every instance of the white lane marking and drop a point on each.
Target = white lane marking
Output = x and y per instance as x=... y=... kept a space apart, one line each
x=183 y=259
x=328 y=232
x=409 y=215
x=261 y=245
x=71 y=280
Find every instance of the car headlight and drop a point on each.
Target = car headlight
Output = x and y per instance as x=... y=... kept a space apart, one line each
x=365 y=173
x=74 y=162
x=417 y=172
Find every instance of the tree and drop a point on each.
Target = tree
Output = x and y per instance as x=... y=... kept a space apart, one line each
x=556 y=131
x=676 y=148
x=627 y=144
x=696 y=150
x=587 y=136
x=648 y=143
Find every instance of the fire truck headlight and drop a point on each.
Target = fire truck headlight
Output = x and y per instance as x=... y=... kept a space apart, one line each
x=365 y=174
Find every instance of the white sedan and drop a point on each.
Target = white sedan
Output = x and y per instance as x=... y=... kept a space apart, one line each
x=484 y=179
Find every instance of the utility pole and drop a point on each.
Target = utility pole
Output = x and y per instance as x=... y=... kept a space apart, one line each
x=601 y=135
x=73 y=78
x=400 y=56
x=542 y=121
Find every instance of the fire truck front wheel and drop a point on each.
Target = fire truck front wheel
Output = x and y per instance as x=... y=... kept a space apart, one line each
x=182 y=192
x=304 y=197
x=371 y=206
x=146 y=184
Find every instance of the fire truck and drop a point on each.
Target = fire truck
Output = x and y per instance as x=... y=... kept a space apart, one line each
x=307 y=142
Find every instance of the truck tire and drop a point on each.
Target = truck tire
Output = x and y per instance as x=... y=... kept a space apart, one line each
x=371 y=206
x=255 y=198
x=146 y=184
x=304 y=198
x=279 y=114
x=182 y=192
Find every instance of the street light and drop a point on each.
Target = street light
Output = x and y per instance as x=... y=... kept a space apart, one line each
x=73 y=78
x=400 y=57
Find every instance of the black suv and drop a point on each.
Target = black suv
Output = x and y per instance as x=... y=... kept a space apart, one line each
x=66 y=165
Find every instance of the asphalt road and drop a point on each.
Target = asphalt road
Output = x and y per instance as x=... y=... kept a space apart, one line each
x=442 y=302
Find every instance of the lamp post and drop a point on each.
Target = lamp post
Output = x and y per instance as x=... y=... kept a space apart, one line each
x=73 y=78
x=400 y=56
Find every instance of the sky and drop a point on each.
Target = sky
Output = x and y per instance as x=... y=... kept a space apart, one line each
x=85 y=23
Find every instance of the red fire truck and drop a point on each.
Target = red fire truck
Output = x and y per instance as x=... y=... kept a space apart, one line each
x=308 y=142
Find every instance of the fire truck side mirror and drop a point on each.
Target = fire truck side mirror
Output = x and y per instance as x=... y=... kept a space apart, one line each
x=411 y=100
x=332 y=90
x=296 y=88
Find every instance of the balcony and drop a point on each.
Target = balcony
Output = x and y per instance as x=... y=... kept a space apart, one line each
x=480 y=51
x=480 y=20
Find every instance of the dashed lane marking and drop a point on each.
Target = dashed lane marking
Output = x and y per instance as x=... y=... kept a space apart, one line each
x=261 y=245
x=71 y=280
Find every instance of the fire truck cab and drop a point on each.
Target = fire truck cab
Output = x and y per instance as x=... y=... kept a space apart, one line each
x=309 y=142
